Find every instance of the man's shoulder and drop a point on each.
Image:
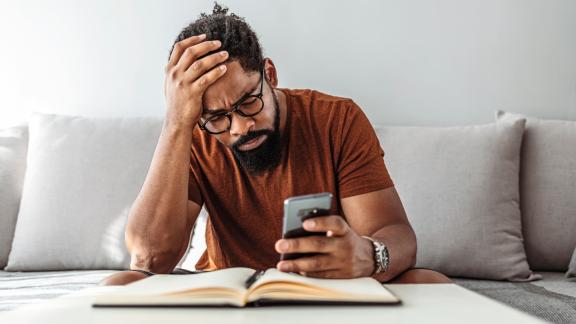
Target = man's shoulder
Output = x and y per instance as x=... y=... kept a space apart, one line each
x=315 y=104
x=315 y=97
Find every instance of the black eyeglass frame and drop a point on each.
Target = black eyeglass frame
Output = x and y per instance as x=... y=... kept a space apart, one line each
x=236 y=109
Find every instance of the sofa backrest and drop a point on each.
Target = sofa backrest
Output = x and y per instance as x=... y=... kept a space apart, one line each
x=458 y=185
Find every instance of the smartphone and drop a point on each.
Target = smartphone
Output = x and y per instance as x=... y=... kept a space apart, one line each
x=297 y=210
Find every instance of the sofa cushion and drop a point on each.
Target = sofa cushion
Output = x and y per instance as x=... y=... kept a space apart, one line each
x=459 y=186
x=547 y=188
x=553 y=298
x=21 y=288
x=13 y=146
x=83 y=175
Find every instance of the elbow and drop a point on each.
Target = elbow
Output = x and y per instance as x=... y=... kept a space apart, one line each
x=155 y=261
x=152 y=255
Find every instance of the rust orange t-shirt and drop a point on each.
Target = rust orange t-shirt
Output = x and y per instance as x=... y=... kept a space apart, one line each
x=328 y=146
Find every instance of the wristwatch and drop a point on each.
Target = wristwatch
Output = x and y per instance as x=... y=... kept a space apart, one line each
x=381 y=256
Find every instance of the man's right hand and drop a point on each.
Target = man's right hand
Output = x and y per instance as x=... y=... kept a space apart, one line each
x=188 y=77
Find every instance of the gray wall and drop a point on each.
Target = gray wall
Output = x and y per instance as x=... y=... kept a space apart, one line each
x=406 y=62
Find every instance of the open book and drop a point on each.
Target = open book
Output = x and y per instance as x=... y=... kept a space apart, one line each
x=242 y=287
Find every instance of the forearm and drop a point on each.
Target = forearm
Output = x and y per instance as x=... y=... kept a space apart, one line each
x=401 y=243
x=158 y=224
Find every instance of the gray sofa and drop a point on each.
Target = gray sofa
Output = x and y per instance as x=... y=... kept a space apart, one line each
x=492 y=205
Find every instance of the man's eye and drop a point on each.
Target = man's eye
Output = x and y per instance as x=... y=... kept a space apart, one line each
x=216 y=118
x=249 y=101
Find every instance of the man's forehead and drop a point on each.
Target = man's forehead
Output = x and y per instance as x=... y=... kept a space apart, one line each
x=229 y=89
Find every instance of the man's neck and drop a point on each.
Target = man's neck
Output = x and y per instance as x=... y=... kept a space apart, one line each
x=282 y=103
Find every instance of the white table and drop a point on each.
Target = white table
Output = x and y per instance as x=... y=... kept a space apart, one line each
x=422 y=303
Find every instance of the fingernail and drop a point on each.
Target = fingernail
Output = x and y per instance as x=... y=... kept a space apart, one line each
x=222 y=67
x=217 y=43
x=311 y=223
x=224 y=53
x=202 y=36
x=284 y=266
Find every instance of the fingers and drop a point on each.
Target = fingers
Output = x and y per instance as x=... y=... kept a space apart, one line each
x=329 y=274
x=333 y=225
x=199 y=67
x=184 y=69
x=208 y=78
x=193 y=52
x=182 y=45
x=319 y=244
x=316 y=263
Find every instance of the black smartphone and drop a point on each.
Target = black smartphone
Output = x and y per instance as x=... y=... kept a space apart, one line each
x=297 y=210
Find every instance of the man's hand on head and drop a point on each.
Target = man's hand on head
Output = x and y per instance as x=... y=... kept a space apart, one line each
x=342 y=253
x=188 y=74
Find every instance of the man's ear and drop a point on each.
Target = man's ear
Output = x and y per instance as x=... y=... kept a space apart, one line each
x=270 y=72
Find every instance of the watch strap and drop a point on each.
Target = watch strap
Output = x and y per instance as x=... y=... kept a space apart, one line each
x=381 y=256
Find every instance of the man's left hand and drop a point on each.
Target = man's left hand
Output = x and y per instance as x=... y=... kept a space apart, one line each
x=342 y=252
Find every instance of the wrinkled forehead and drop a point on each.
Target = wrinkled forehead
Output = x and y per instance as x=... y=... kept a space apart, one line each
x=229 y=88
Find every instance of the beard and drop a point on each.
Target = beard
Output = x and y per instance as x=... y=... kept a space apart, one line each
x=268 y=154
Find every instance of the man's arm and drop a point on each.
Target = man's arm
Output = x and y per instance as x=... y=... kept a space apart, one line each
x=343 y=253
x=161 y=218
x=380 y=215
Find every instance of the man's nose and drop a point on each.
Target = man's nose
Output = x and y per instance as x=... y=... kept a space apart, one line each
x=241 y=125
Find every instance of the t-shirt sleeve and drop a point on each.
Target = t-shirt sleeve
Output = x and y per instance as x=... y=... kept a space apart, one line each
x=360 y=158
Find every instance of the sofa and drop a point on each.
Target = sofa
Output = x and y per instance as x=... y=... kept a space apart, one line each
x=493 y=205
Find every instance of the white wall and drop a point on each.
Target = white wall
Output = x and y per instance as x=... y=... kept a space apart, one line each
x=417 y=62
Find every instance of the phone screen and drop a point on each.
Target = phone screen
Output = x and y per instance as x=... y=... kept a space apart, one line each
x=296 y=210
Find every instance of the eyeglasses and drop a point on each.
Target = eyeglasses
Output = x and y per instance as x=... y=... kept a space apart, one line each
x=248 y=106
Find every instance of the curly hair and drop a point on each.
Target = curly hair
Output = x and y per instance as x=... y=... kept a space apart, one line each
x=237 y=38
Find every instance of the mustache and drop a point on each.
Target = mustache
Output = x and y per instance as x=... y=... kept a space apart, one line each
x=250 y=136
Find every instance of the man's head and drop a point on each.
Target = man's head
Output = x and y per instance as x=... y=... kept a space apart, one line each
x=248 y=74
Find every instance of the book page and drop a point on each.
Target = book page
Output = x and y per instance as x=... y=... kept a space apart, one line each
x=220 y=287
x=277 y=284
x=228 y=279
x=232 y=278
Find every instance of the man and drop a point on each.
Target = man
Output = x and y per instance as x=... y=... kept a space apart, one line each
x=236 y=143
